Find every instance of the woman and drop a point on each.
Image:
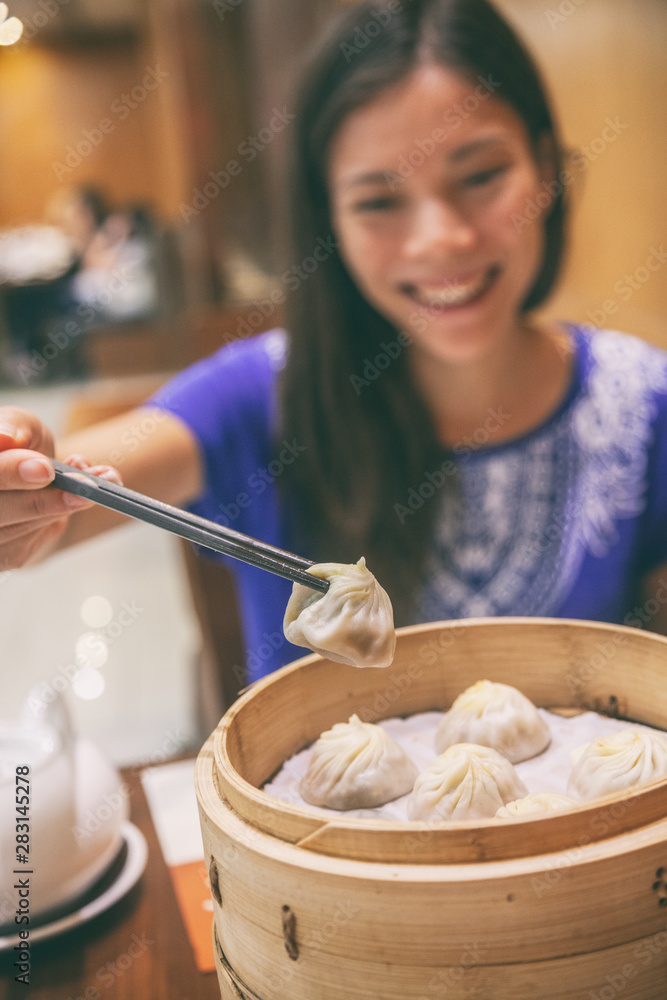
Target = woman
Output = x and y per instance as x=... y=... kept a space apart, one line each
x=484 y=464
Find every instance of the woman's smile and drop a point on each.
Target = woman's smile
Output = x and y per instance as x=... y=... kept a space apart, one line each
x=451 y=293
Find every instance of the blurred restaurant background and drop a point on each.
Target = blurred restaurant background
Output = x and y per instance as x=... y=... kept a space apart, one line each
x=142 y=157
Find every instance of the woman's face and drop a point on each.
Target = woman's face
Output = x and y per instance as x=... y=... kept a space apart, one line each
x=429 y=184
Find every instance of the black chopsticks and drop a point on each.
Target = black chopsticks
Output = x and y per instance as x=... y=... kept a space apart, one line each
x=180 y=522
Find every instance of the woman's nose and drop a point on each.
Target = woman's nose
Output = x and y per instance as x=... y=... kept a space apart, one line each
x=438 y=225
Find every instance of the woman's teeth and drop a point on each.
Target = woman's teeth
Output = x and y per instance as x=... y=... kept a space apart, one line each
x=450 y=293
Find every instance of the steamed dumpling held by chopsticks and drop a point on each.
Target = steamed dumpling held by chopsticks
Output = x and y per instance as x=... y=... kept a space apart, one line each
x=353 y=622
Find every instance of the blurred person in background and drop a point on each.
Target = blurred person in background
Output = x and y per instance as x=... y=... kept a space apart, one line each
x=116 y=277
x=107 y=260
x=38 y=290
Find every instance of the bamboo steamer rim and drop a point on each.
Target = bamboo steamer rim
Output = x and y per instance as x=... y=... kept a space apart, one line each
x=418 y=842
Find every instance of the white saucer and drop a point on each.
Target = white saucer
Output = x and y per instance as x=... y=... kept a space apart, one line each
x=136 y=853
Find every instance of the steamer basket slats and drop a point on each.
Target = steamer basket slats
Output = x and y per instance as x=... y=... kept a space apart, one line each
x=374 y=910
x=635 y=971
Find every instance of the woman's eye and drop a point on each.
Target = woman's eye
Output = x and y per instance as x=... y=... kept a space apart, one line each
x=378 y=204
x=482 y=177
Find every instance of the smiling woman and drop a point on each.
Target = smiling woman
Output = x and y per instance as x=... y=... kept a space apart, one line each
x=440 y=239
x=485 y=462
x=421 y=154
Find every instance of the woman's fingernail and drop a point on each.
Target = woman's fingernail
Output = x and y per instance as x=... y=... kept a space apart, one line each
x=77 y=462
x=34 y=470
x=74 y=501
x=111 y=476
x=7 y=431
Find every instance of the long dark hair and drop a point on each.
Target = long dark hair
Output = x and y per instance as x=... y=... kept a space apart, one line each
x=369 y=441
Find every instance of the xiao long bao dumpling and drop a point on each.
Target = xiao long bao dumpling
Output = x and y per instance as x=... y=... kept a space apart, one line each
x=353 y=622
x=495 y=715
x=356 y=765
x=613 y=763
x=465 y=782
x=536 y=804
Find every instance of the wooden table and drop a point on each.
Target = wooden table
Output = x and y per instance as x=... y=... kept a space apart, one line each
x=138 y=950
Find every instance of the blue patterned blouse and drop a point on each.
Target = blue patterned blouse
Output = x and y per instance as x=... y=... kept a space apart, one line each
x=564 y=521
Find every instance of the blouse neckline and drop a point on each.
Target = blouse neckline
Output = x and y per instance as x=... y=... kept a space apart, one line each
x=570 y=394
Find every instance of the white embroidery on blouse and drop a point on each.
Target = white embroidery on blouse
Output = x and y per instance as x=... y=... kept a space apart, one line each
x=512 y=541
x=275 y=345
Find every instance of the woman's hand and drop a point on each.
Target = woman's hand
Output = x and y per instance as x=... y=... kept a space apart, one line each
x=33 y=516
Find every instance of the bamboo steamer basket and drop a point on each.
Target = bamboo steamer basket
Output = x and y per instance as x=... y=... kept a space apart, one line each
x=569 y=906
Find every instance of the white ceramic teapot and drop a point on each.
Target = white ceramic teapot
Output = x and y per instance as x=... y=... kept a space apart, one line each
x=72 y=800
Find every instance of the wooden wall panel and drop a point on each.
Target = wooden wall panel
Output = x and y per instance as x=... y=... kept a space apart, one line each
x=605 y=61
x=53 y=104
